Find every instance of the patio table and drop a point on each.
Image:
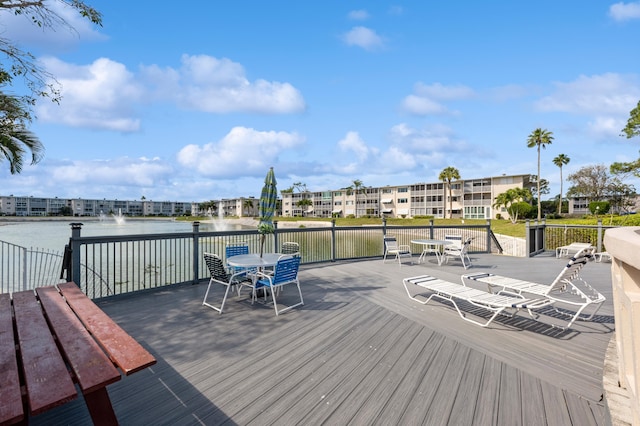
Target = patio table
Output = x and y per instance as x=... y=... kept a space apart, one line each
x=432 y=246
x=253 y=260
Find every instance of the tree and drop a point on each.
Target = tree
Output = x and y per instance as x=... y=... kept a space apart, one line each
x=16 y=111
x=561 y=160
x=447 y=175
x=248 y=205
x=539 y=138
x=356 y=187
x=592 y=182
x=633 y=124
x=302 y=203
x=510 y=200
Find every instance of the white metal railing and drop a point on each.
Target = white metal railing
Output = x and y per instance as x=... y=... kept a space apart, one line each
x=623 y=244
x=22 y=268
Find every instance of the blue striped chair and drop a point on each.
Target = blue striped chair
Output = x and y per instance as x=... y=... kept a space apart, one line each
x=285 y=272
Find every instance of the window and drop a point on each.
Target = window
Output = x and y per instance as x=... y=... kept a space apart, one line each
x=403 y=200
x=405 y=189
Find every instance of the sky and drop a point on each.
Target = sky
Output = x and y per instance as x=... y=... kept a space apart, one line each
x=195 y=101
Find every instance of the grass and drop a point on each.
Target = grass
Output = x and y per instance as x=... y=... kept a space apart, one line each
x=504 y=227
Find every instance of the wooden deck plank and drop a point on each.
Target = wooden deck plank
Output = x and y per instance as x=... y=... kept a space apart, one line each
x=248 y=366
x=11 y=410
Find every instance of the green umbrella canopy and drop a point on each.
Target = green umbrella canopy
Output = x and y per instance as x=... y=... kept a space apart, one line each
x=268 y=200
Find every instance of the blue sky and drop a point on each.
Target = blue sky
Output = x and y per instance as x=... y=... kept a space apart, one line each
x=196 y=102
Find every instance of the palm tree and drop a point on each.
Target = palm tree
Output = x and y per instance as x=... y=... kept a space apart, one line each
x=560 y=161
x=15 y=139
x=357 y=187
x=539 y=138
x=248 y=205
x=304 y=203
x=509 y=199
x=447 y=175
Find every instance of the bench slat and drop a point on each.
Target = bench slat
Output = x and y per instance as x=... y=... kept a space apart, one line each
x=92 y=368
x=123 y=349
x=11 y=407
x=45 y=373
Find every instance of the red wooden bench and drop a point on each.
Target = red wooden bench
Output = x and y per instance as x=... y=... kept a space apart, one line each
x=61 y=337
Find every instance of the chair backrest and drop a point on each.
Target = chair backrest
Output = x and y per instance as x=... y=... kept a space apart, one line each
x=290 y=247
x=286 y=269
x=216 y=267
x=390 y=242
x=572 y=270
x=234 y=249
x=455 y=239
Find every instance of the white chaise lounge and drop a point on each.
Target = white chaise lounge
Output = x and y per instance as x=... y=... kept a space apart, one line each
x=567 y=290
x=498 y=304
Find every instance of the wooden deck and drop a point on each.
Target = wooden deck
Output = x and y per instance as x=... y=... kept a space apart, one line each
x=358 y=352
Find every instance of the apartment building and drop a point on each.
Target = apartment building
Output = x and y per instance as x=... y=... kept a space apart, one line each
x=33 y=206
x=469 y=199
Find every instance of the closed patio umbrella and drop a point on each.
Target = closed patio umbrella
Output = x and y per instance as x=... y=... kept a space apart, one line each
x=268 y=199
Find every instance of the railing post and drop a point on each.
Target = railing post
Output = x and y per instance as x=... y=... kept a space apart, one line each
x=431 y=230
x=527 y=237
x=333 y=240
x=275 y=235
x=599 y=242
x=384 y=226
x=488 y=236
x=24 y=268
x=75 y=253
x=196 y=251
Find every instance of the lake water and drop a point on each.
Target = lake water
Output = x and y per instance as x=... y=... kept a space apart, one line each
x=53 y=235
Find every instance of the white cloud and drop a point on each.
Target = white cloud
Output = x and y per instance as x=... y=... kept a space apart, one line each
x=625 y=11
x=242 y=151
x=205 y=83
x=359 y=15
x=363 y=37
x=99 y=95
x=607 y=98
x=122 y=171
x=425 y=99
x=352 y=143
x=104 y=94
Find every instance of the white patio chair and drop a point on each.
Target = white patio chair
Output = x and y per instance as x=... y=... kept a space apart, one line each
x=498 y=304
x=568 y=289
x=220 y=276
x=457 y=250
x=285 y=273
x=392 y=248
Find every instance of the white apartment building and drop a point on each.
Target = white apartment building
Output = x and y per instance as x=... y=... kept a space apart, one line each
x=472 y=199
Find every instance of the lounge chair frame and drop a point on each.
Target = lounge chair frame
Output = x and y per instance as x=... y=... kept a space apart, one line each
x=567 y=289
x=499 y=304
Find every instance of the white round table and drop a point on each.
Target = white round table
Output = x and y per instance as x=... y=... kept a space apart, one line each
x=432 y=246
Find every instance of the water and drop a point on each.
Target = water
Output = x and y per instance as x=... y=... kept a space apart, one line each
x=53 y=235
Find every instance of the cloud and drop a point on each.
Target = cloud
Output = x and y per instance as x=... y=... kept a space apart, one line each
x=426 y=98
x=242 y=151
x=607 y=98
x=352 y=143
x=105 y=94
x=205 y=83
x=99 y=95
x=625 y=11
x=411 y=151
x=363 y=37
x=358 y=15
